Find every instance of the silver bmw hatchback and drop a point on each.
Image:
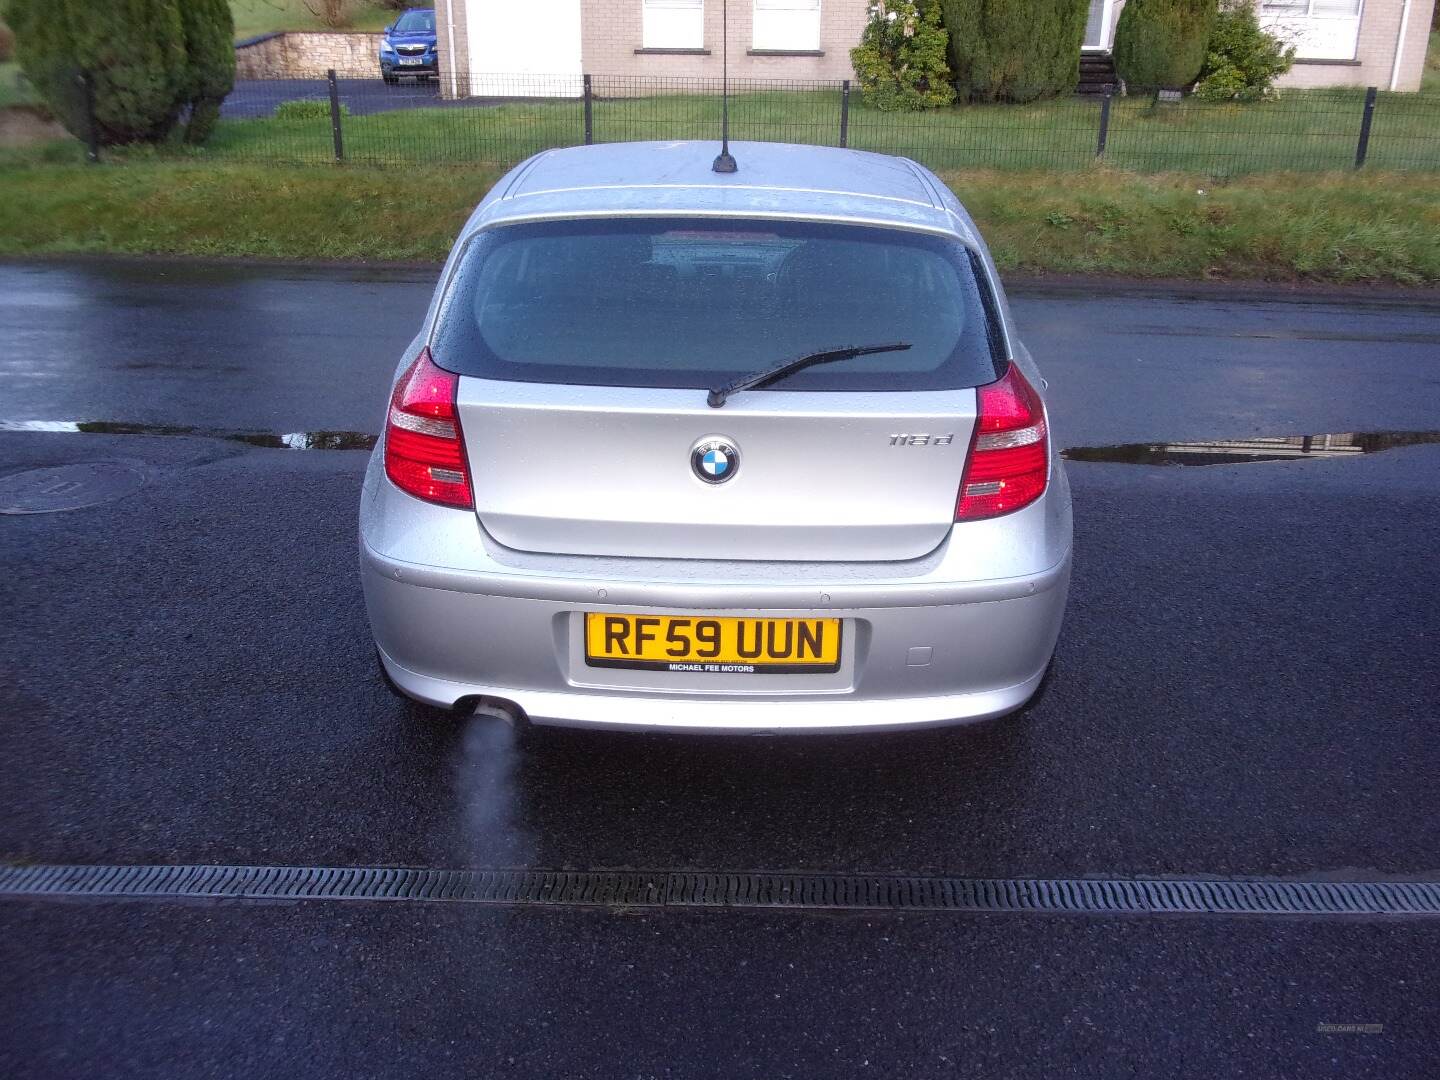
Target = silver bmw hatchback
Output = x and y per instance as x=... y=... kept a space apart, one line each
x=683 y=450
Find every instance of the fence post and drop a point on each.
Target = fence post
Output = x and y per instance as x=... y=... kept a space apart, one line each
x=92 y=136
x=1363 y=146
x=335 y=116
x=589 y=113
x=1104 y=125
x=845 y=113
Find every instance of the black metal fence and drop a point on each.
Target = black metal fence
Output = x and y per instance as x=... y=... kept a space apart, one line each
x=469 y=118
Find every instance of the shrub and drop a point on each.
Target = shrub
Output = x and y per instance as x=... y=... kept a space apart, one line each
x=134 y=51
x=7 y=44
x=900 y=61
x=1161 y=44
x=1243 y=61
x=1015 y=50
x=209 y=28
x=306 y=109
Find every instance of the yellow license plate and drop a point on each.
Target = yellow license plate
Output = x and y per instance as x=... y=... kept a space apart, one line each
x=709 y=644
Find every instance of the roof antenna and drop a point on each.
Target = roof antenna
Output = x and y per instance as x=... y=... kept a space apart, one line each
x=724 y=163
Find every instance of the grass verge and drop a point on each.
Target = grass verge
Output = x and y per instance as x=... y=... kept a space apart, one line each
x=272 y=212
x=1381 y=228
x=1378 y=228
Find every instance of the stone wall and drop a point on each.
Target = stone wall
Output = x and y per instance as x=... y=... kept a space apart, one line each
x=305 y=54
x=28 y=125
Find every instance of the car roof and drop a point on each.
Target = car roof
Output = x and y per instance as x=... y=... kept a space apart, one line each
x=675 y=178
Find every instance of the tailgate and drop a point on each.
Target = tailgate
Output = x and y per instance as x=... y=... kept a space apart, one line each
x=607 y=470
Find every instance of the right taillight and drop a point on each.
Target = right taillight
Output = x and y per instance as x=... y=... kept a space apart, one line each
x=1010 y=453
x=424 y=450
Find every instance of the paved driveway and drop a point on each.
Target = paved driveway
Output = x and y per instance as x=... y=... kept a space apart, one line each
x=258 y=97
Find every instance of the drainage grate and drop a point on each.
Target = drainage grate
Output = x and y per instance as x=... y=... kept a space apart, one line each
x=668 y=889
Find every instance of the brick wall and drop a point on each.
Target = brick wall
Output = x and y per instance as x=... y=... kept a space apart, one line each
x=612 y=33
x=308 y=55
x=451 y=84
x=1374 y=52
x=260 y=57
x=1417 y=43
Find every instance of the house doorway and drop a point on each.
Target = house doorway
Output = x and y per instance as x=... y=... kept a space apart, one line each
x=1099 y=26
x=524 y=50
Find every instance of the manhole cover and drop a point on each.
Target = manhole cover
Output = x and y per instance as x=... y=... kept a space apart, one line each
x=67 y=487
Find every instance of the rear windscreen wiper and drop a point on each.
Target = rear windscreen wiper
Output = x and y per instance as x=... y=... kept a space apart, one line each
x=750 y=382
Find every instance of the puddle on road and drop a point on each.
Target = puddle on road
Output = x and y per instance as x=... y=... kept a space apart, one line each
x=294 y=440
x=1234 y=451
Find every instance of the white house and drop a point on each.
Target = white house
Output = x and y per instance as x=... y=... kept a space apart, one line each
x=541 y=47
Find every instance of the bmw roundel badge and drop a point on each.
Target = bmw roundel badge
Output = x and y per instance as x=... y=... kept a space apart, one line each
x=714 y=459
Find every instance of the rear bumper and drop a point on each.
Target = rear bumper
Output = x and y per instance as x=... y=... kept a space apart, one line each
x=962 y=634
x=940 y=654
x=701 y=715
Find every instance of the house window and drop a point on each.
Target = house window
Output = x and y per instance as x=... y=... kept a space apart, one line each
x=1319 y=29
x=787 y=26
x=674 y=24
x=1315 y=9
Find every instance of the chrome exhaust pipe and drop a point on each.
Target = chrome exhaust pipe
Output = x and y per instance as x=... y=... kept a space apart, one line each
x=507 y=712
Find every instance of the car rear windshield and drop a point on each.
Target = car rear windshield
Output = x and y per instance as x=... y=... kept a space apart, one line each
x=694 y=303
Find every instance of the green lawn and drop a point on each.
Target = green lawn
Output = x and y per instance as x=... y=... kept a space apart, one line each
x=1373 y=227
x=254 y=17
x=1310 y=130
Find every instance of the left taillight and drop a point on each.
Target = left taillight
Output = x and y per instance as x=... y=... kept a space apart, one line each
x=1009 y=462
x=424 y=448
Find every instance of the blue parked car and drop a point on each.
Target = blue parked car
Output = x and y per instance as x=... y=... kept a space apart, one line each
x=408 y=47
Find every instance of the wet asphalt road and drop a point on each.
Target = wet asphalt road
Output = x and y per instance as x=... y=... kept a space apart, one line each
x=1247 y=685
x=362 y=96
x=299 y=349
